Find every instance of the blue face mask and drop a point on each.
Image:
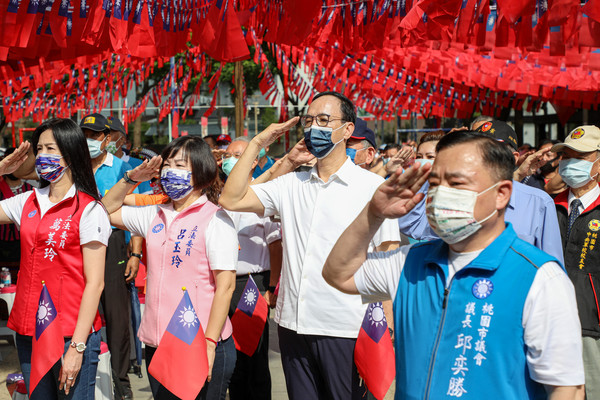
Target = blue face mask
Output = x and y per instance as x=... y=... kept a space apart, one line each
x=261 y=154
x=228 y=164
x=95 y=147
x=48 y=167
x=352 y=154
x=176 y=182
x=318 y=140
x=576 y=173
x=424 y=161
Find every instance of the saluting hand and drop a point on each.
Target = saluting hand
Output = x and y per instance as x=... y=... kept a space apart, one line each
x=399 y=194
x=299 y=154
x=274 y=132
x=146 y=170
x=13 y=161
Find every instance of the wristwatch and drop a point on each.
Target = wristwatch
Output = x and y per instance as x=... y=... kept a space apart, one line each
x=272 y=289
x=80 y=347
x=128 y=179
x=138 y=255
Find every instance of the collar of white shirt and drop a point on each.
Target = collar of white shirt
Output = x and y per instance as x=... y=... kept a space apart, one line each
x=586 y=200
x=108 y=161
x=344 y=173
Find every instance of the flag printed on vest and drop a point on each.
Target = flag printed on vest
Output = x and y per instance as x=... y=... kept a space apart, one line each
x=48 y=343
x=249 y=319
x=180 y=362
x=374 y=352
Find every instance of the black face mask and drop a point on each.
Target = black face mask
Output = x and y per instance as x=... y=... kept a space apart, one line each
x=12 y=177
x=548 y=167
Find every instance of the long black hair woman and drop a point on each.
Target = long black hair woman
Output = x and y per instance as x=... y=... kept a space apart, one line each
x=64 y=231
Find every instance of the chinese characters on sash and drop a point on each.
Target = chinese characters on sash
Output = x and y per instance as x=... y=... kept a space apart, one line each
x=470 y=344
x=58 y=233
x=588 y=244
x=181 y=243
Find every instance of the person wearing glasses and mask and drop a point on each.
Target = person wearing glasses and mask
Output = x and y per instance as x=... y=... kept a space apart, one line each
x=318 y=325
x=578 y=210
x=361 y=145
x=479 y=312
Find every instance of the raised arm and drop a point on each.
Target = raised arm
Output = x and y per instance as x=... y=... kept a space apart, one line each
x=235 y=195
x=113 y=200
x=393 y=199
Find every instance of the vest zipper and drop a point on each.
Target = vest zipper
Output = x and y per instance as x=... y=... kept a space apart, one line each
x=437 y=339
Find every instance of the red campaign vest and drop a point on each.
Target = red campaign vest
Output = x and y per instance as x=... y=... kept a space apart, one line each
x=50 y=252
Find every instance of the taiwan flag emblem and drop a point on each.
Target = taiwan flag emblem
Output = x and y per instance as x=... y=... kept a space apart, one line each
x=249 y=319
x=180 y=362
x=374 y=352
x=48 y=343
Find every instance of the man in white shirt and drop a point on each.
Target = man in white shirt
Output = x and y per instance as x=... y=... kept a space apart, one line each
x=318 y=325
x=479 y=312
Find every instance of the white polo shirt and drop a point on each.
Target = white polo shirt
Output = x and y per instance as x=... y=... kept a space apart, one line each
x=254 y=235
x=314 y=214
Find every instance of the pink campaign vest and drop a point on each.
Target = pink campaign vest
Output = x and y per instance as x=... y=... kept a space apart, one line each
x=176 y=258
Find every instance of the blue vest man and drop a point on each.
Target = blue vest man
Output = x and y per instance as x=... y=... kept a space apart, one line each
x=478 y=313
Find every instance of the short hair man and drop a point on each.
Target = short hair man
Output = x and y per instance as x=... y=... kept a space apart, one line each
x=530 y=211
x=108 y=170
x=578 y=210
x=479 y=310
x=318 y=325
x=361 y=145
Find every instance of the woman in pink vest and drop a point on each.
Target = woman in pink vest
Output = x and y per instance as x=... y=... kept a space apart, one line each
x=191 y=243
x=64 y=231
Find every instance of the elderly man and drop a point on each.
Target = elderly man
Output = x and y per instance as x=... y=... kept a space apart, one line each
x=578 y=211
x=318 y=325
x=479 y=312
x=361 y=145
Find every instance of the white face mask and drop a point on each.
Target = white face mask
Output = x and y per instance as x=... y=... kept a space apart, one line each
x=450 y=212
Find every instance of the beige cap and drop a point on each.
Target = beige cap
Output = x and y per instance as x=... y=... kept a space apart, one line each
x=582 y=139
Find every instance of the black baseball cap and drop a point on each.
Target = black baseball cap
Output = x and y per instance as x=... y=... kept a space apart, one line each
x=115 y=124
x=95 y=122
x=500 y=131
x=362 y=132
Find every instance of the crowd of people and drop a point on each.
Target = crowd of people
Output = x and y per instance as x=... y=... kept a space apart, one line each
x=483 y=253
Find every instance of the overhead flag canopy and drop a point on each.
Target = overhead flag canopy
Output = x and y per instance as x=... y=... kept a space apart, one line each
x=436 y=57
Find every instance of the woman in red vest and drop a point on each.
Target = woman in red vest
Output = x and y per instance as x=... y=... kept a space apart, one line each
x=64 y=232
x=191 y=242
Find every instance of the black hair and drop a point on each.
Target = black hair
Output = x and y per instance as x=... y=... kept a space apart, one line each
x=74 y=150
x=204 y=165
x=432 y=136
x=346 y=106
x=393 y=146
x=549 y=141
x=496 y=155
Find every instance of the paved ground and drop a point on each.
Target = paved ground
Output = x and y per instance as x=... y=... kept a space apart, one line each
x=141 y=388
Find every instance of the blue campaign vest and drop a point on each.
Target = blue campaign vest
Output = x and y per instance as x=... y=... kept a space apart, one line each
x=442 y=335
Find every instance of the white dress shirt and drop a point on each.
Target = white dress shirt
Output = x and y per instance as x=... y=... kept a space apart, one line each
x=254 y=235
x=586 y=200
x=313 y=216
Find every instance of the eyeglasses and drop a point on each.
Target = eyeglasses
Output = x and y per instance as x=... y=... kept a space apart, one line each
x=322 y=120
x=229 y=155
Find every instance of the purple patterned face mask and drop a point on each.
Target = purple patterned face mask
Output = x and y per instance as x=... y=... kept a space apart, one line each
x=176 y=182
x=48 y=167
